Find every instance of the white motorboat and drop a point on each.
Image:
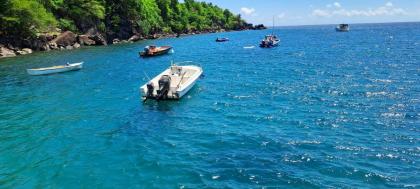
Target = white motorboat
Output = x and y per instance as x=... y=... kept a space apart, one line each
x=171 y=84
x=55 y=69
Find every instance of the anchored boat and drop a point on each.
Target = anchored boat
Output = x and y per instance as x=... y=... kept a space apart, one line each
x=270 y=41
x=55 y=69
x=155 y=51
x=171 y=84
x=223 y=39
x=342 y=28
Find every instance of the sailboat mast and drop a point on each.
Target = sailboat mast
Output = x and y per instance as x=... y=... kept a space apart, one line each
x=272 y=30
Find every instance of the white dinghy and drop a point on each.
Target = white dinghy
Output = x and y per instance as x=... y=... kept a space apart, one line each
x=171 y=84
x=55 y=69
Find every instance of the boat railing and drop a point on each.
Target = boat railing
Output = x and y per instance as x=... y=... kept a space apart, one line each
x=180 y=81
x=180 y=63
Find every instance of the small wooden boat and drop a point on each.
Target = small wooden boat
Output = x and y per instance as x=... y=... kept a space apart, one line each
x=55 y=69
x=171 y=84
x=223 y=39
x=269 y=41
x=155 y=51
x=342 y=28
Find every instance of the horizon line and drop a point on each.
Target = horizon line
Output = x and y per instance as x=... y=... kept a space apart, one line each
x=356 y=23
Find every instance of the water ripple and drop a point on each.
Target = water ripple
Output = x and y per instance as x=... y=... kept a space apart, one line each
x=323 y=110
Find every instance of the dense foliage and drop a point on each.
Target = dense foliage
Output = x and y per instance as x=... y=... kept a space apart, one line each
x=115 y=18
x=24 y=17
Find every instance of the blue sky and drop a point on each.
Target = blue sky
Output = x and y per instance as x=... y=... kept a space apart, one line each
x=310 y=12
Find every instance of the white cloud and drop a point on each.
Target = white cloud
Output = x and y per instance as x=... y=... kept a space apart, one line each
x=387 y=10
x=281 y=15
x=337 y=4
x=321 y=13
x=247 y=11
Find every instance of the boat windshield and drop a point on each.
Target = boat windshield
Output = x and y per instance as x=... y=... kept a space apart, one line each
x=176 y=70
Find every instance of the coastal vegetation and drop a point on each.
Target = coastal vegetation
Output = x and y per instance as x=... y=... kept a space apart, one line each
x=36 y=24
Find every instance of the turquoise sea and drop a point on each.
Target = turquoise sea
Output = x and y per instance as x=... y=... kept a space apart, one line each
x=322 y=110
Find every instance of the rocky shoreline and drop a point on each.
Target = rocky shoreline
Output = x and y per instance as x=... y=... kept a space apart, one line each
x=68 y=40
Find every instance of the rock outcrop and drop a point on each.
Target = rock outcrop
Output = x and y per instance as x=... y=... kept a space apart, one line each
x=76 y=45
x=67 y=38
x=134 y=38
x=24 y=51
x=53 y=45
x=39 y=43
x=27 y=50
x=115 y=41
x=99 y=39
x=259 y=27
x=56 y=40
x=92 y=39
x=85 y=40
x=5 y=52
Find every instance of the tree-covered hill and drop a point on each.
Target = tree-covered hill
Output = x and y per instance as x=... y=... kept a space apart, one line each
x=25 y=19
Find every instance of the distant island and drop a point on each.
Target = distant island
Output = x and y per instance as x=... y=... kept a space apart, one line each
x=44 y=25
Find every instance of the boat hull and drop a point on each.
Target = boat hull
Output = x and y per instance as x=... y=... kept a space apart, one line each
x=186 y=90
x=162 y=51
x=275 y=44
x=56 y=69
x=341 y=30
x=222 y=40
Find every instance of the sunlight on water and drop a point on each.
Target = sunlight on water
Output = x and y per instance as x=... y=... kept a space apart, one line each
x=324 y=109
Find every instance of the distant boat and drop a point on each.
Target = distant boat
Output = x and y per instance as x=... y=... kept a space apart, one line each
x=171 y=84
x=222 y=39
x=155 y=51
x=55 y=69
x=270 y=40
x=342 y=28
x=249 y=47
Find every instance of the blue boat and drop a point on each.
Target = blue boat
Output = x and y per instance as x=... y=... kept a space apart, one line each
x=223 y=39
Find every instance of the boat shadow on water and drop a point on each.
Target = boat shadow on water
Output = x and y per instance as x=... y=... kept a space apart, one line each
x=163 y=106
x=168 y=105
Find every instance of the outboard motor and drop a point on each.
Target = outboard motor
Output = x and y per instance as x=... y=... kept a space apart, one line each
x=164 y=84
x=263 y=43
x=150 y=89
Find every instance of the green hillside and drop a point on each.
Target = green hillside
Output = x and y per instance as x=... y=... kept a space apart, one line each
x=22 y=19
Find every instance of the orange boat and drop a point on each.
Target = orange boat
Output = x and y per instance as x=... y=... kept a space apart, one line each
x=155 y=51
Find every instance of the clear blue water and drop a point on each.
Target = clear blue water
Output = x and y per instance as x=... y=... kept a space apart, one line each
x=324 y=109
